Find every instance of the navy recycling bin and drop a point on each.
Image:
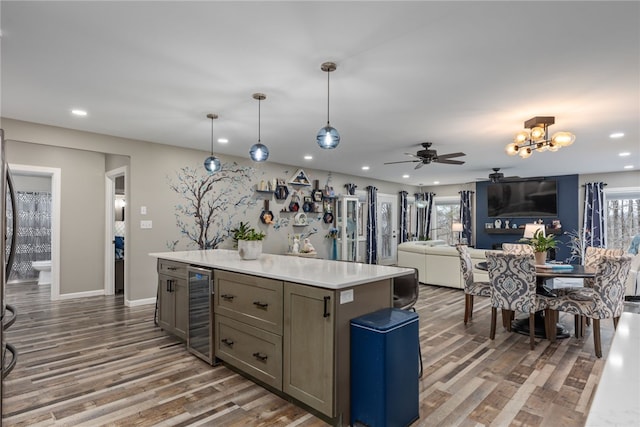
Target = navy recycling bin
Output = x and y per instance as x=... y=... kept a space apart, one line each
x=384 y=368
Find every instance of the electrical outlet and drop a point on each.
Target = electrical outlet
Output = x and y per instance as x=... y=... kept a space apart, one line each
x=146 y=224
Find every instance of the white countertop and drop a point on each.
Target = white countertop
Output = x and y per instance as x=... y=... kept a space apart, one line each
x=309 y=271
x=617 y=398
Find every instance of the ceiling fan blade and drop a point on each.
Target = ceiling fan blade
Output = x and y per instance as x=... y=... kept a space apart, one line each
x=419 y=165
x=402 y=161
x=449 y=162
x=448 y=156
x=412 y=155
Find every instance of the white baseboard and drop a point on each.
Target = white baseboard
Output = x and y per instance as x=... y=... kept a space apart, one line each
x=81 y=294
x=137 y=302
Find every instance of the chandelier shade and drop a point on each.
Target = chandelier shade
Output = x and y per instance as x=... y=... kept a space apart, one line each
x=536 y=137
x=328 y=136
x=212 y=163
x=259 y=152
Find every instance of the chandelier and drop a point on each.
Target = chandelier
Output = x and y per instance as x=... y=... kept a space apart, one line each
x=328 y=136
x=536 y=137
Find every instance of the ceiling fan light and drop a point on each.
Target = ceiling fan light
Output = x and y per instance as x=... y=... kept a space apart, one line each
x=563 y=139
x=259 y=152
x=328 y=137
x=537 y=133
x=512 y=149
x=212 y=164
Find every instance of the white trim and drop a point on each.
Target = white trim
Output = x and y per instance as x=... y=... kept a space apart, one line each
x=85 y=294
x=139 y=302
x=56 y=191
x=109 y=225
x=621 y=193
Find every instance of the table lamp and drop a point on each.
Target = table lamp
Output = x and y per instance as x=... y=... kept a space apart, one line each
x=531 y=229
x=456 y=227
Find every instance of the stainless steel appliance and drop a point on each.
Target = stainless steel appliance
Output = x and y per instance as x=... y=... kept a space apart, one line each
x=200 y=330
x=8 y=352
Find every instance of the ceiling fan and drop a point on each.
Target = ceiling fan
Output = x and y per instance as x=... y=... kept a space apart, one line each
x=496 y=176
x=426 y=156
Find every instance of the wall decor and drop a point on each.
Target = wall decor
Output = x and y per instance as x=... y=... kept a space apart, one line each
x=281 y=192
x=300 y=178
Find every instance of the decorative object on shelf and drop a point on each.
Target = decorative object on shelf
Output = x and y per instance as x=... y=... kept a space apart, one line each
x=534 y=234
x=281 y=192
x=308 y=205
x=300 y=219
x=294 y=204
x=351 y=188
x=259 y=152
x=327 y=217
x=212 y=163
x=307 y=247
x=266 y=217
x=316 y=194
x=556 y=224
x=328 y=137
x=300 y=178
x=296 y=245
x=488 y=225
x=506 y=223
x=514 y=225
x=537 y=137
x=497 y=223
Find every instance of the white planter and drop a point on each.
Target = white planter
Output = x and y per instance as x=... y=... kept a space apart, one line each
x=249 y=249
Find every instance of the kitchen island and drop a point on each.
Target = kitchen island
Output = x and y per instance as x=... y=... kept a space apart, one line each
x=285 y=321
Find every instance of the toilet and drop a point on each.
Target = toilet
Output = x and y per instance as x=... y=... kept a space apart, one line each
x=44 y=267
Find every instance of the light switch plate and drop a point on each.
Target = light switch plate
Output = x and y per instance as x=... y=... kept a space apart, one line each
x=146 y=224
x=346 y=296
x=143 y=210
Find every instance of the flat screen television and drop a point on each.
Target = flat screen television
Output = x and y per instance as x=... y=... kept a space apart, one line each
x=516 y=199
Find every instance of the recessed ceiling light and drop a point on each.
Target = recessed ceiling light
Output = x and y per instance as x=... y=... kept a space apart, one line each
x=365 y=168
x=628 y=167
x=308 y=157
x=436 y=182
x=405 y=176
x=79 y=113
x=616 y=135
x=624 y=154
x=223 y=140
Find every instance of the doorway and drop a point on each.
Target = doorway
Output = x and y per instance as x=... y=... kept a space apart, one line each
x=115 y=231
x=387 y=212
x=54 y=174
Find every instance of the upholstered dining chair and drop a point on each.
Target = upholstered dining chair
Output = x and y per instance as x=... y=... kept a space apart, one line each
x=603 y=301
x=471 y=287
x=517 y=248
x=592 y=256
x=513 y=288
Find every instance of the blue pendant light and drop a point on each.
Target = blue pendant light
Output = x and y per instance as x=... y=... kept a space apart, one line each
x=212 y=163
x=328 y=137
x=259 y=152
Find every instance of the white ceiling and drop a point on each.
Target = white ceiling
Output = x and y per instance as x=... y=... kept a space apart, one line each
x=464 y=75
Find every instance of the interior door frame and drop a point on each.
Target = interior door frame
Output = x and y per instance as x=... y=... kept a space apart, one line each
x=56 y=190
x=109 y=251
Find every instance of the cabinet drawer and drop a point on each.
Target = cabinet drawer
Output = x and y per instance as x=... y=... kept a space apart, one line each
x=253 y=300
x=252 y=350
x=172 y=268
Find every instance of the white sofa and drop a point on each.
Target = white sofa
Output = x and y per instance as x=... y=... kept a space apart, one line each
x=438 y=263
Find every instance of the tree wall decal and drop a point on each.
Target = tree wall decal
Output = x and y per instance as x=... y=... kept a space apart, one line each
x=211 y=203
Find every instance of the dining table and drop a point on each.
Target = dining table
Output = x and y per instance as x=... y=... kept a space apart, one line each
x=543 y=274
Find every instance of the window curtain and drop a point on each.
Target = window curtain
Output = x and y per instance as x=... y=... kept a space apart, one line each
x=466 y=197
x=423 y=224
x=594 y=225
x=404 y=233
x=33 y=236
x=372 y=226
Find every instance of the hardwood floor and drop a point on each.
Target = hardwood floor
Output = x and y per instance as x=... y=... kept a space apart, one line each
x=94 y=362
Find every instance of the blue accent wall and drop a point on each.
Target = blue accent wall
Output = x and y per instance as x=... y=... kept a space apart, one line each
x=568 y=200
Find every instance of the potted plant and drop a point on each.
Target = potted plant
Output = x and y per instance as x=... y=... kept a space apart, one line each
x=249 y=241
x=541 y=244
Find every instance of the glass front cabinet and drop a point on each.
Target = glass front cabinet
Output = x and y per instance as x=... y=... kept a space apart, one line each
x=347 y=223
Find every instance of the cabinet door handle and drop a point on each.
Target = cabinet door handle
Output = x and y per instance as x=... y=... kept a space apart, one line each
x=169 y=285
x=172 y=268
x=326 y=306
x=227 y=297
x=261 y=357
x=228 y=342
x=260 y=304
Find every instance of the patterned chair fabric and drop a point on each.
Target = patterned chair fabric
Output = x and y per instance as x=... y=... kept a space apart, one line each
x=471 y=287
x=517 y=248
x=606 y=299
x=592 y=257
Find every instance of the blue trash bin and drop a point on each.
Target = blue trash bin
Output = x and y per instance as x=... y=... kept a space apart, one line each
x=384 y=368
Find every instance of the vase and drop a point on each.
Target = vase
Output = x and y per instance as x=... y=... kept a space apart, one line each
x=249 y=249
x=541 y=258
x=334 y=249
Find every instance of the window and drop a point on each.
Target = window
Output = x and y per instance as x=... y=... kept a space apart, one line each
x=446 y=211
x=623 y=216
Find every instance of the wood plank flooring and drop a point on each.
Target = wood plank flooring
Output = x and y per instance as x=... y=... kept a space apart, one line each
x=95 y=362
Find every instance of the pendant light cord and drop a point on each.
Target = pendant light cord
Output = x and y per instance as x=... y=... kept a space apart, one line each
x=328 y=73
x=212 y=136
x=259 y=120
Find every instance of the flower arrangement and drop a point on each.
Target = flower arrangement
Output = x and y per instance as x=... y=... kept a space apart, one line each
x=332 y=233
